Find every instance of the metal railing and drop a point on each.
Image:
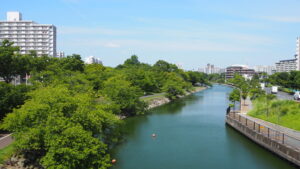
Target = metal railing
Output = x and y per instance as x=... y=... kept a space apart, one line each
x=268 y=132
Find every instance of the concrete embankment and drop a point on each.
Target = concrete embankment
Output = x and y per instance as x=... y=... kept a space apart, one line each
x=164 y=100
x=279 y=143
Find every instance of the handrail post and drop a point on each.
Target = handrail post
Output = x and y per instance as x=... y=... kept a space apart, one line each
x=268 y=132
x=254 y=125
x=258 y=128
x=282 y=138
x=246 y=122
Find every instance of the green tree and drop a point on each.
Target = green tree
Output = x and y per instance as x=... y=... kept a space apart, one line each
x=125 y=95
x=174 y=86
x=132 y=61
x=164 y=66
x=72 y=63
x=235 y=96
x=62 y=129
x=8 y=59
x=11 y=97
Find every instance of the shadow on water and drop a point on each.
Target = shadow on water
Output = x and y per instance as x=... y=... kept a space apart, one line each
x=133 y=123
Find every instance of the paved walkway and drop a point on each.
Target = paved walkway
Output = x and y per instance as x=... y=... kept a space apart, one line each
x=5 y=140
x=292 y=137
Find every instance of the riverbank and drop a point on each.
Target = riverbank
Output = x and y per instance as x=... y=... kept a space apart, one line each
x=280 y=140
x=190 y=133
x=160 y=99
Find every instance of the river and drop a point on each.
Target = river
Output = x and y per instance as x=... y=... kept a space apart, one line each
x=191 y=134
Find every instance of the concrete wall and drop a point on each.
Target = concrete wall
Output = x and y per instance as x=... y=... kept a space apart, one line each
x=284 y=151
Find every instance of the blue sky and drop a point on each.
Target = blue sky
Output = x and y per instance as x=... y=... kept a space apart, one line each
x=191 y=33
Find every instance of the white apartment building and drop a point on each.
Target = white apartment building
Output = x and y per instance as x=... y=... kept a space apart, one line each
x=290 y=64
x=298 y=53
x=93 y=60
x=286 y=65
x=211 y=69
x=267 y=69
x=29 y=35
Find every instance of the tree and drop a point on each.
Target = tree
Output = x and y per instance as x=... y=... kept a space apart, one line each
x=244 y=91
x=11 y=97
x=8 y=67
x=268 y=98
x=62 y=129
x=132 y=61
x=125 y=95
x=73 y=63
x=174 y=86
x=235 y=96
x=164 y=66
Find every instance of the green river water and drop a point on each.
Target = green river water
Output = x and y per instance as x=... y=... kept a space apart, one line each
x=191 y=134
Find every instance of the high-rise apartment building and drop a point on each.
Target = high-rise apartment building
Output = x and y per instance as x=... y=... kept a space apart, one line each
x=29 y=35
x=290 y=64
x=286 y=65
x=298 y=53
x=267 y=69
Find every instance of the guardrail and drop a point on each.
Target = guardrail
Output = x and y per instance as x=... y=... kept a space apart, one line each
x=268 y=132
x=280 y=143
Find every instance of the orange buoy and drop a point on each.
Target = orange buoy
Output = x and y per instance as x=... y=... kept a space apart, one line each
x=113 y=161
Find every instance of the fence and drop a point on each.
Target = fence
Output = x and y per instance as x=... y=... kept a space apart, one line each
x=267 y=132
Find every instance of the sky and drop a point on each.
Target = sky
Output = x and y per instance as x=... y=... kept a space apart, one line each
x=190 y=33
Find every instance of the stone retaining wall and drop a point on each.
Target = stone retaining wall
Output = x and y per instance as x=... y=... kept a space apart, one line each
x=286 y=152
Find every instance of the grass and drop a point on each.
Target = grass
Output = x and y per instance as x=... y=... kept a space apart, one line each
x=282 y=112
x=6 y=152
x=289 y=91
x=153 y=97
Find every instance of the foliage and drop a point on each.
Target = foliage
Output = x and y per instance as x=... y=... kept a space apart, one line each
x=68 y=116
x=174 y=86
x=6 y=152
x=65 y=129
x=11 y=97
x=125 y=95
x=245 y=88
x=286 y=79
x=217 y=78
x=235 y=96
x=8 y=61
x=282 y=112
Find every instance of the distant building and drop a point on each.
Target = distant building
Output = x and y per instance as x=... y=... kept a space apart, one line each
x=267 y=69
x=93 y=60
x=290 y=64
x=286 y=65
x=201 y=70
x=29 y=35
x=60 y=54
x=210 y=69
x=298 y=53
x=240 y=69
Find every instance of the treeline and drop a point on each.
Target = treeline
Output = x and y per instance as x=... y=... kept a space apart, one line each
x=285 y=79
x=244 y=88
x=68 y=115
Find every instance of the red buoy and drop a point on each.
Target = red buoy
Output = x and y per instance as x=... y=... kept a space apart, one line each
x=113 y=161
